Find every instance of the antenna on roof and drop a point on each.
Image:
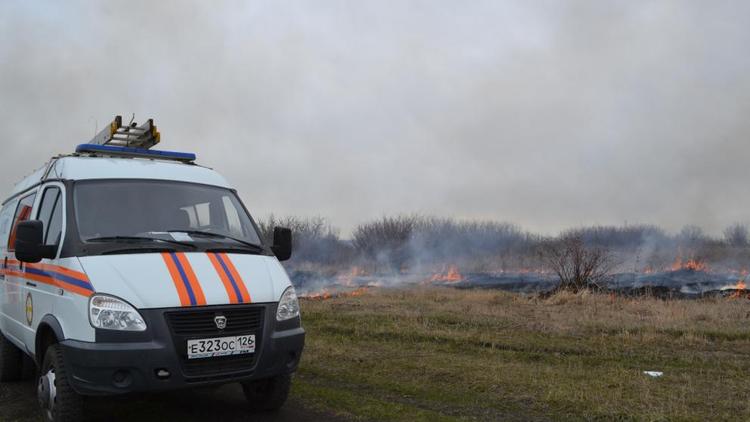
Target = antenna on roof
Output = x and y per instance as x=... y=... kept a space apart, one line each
x=132 y=135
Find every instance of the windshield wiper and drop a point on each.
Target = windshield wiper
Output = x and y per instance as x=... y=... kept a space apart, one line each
x=250 y=245
x=123 y=251
x=138 y=239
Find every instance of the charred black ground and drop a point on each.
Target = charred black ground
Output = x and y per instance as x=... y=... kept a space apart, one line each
x=680 y=284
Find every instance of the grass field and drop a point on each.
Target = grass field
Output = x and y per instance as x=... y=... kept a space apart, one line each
x=441 y=354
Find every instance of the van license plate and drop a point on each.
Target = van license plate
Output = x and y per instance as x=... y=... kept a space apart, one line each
x=223 y=346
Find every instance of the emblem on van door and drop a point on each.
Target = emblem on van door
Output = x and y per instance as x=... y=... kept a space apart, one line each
x=221 y=322
x=29 y=309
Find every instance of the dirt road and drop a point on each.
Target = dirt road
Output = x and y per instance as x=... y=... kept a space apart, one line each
x=18 y=404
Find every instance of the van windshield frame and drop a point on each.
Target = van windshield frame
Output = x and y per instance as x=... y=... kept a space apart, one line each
x=107 y=215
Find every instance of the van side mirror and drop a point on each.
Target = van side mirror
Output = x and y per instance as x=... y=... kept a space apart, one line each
x=30 y=242
x=282 y=243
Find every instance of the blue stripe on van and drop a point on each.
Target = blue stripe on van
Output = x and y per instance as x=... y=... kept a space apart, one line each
x=185 y=281
x=231 y=279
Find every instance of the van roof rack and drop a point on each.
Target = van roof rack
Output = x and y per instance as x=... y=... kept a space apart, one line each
x=131 y=141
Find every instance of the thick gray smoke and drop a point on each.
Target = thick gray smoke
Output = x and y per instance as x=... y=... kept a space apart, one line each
x=548 y=114
x=406 y=250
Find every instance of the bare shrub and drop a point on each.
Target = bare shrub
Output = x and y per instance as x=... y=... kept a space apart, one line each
x=303 y=228
x=385 y=240
x=692 y=235
x=736 y=235
x=314 y=239
x=579 y=266
x=437 y=240
x=417 y=241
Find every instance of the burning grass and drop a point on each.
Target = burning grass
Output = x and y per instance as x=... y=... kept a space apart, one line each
x=431 y=353
x=449 y=275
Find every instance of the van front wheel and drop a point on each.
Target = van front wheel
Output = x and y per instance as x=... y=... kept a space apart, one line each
x=11 y=361
x=268 y=394
x=57 y=398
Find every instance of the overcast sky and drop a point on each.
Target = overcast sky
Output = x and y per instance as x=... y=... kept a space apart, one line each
x=549 y=114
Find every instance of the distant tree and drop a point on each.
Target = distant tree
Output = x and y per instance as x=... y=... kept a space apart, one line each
x=385 y=240
x=577 y=265
x=692 y=235
x=620 y=237
x=736 y=235
x=437 y=240
x=314 y=239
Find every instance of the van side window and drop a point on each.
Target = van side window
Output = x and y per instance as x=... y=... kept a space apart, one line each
x=54 y=232
x=50 y=213
x=23 y=213
x=6 y=217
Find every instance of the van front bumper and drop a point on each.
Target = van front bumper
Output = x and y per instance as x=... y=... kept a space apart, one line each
x=158 y=364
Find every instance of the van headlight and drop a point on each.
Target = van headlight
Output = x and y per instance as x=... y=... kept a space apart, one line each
x=288 y=305
x=111 y=313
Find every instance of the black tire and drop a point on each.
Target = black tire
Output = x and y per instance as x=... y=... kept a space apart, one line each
x=29 y=370
x=68 y=405
x=268 y=394
x=11 y=361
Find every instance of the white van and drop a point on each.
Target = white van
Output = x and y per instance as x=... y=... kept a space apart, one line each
x=128 y=270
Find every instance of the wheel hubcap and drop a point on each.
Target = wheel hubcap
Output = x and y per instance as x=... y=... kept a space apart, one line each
x=47 y=392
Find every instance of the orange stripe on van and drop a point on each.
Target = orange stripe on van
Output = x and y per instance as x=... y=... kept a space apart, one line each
x=237 y=278
x=176 y=279
x=200 y=298
x=56 y=268
x=224 y=279
x=52 y=275
x=64 y=271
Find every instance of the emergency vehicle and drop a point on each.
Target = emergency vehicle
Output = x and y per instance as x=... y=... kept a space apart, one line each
x=128 y=269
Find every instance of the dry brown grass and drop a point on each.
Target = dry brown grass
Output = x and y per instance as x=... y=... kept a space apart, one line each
x=444 y=354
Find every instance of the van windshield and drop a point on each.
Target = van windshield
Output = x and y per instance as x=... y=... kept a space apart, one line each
x=106 y=209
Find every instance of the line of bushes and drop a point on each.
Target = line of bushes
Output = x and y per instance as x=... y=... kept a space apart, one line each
x=412 y=243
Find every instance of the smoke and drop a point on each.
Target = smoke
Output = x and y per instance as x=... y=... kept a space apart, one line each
x=637 y=260
x=549 y=114
x=412 y=249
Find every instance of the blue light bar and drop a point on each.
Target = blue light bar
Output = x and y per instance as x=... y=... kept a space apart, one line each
x=185 y=157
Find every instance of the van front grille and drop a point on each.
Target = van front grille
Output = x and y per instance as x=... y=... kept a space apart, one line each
x=192 y=324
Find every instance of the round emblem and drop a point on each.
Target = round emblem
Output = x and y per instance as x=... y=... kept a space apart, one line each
x=29 y=309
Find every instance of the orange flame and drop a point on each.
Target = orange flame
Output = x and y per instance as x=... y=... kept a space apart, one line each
x=356 y=293
x=740 y=290
x=452 y=275
x=690 y=265
x=325 y=294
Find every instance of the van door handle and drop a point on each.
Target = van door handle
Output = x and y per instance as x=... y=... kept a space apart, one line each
x=30 y=284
